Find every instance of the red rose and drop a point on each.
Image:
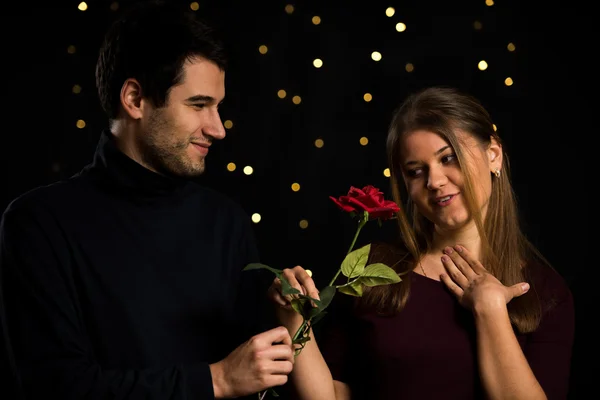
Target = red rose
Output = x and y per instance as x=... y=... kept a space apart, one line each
x=368 y=199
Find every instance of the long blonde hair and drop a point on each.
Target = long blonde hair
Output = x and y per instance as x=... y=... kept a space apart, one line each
x=505 y=249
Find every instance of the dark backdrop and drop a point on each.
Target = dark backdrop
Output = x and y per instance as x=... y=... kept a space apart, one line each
x=544 y=116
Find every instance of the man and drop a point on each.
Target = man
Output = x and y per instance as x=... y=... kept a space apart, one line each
x=125 y=281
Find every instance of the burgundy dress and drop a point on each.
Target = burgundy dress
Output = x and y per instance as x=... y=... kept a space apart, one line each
x=427 y=351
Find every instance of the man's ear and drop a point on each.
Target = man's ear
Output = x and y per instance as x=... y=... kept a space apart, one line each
x=131 y=99
x=494 y=153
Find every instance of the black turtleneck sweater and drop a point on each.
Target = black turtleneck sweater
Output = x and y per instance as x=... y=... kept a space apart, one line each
x=120 y=283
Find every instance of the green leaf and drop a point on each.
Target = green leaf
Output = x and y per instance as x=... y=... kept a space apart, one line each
x=353 y=289
x=252 y=266
x=317 y=318
x=354 y=263
x=378 y=274
x=302 y=340
x=286 y=288
x=299 y=305
x=325 y=295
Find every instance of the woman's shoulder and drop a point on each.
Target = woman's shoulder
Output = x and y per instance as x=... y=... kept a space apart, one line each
x=389 y=253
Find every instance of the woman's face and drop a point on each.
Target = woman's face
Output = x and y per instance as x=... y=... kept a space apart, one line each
x=435 y=181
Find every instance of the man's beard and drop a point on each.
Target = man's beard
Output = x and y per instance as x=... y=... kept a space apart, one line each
x=163 y=154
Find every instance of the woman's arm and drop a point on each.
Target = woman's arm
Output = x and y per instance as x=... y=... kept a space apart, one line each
x=503 y=368
x=505 y=372
x=311 y=377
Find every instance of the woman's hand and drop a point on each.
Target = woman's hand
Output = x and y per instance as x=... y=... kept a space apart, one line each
x=474 y=287
x=300 y=279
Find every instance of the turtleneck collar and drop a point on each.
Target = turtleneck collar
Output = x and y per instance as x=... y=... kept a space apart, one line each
x=117 y=169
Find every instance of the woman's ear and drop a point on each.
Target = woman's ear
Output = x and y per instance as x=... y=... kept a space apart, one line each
x=494 y=153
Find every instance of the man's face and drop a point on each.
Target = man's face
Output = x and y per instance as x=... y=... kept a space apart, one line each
x=176 y=138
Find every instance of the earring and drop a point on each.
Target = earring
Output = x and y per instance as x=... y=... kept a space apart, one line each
x=497 y=172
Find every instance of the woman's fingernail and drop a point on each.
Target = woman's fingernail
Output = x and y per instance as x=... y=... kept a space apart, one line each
x=525 y=287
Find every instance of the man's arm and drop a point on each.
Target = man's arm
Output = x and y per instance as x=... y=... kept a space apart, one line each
x=52 y=352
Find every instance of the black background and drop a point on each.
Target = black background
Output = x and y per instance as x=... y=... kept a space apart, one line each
x=545 y=117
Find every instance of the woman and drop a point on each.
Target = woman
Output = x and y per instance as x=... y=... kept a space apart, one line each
x=479 y=312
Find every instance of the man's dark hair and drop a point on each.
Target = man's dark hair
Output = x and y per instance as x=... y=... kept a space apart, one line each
x=150 y=42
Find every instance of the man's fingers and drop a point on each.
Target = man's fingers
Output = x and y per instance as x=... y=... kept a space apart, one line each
x=282 y=352
x=275 y=335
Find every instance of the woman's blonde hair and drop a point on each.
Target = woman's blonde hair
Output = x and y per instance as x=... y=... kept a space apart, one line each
x=505 y=249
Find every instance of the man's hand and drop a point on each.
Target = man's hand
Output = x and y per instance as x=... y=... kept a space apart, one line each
x=262 y=362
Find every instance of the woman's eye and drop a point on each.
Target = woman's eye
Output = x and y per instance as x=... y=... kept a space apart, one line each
x=413 y=173
x=448 y=158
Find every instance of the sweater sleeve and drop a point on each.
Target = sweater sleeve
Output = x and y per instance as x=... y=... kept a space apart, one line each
x=52 y=354
x=550 y=347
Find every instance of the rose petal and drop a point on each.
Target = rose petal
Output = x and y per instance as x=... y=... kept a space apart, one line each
x=354 y=192
x=343 y=205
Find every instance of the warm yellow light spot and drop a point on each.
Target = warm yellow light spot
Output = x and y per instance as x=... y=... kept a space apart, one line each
x=511 y=47
x=228 y=124
x=289 y=9
x=231 y=167
x=194 y=5
x=400 y=26
x=386 y=172
x=364 y=141
x=248 y=170
x=114 y=6
x=319 y=143
x=368 y=97
x=376 y=56
x=76 y=89
x=409 y=67
x=318 y=63
x=316 y=20
x=482 y=65
x=477 y=25
x=295 y=186
x=508 y=81
x=304 y=224
x=263 y=49
x=281 y=93
x=296 y=99
x=256 y=218
x=390 y=11
x=489 y=3
x=494 y=127
x=82 y=6
x=80 y=124
x=71 y=49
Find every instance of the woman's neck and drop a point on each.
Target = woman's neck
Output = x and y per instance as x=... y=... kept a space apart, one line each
x=467 y=237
